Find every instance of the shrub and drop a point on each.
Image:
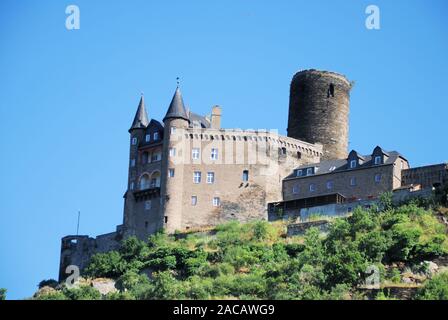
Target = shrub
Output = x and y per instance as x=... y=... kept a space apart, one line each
x=435 y=288
x=83 y=292
x=109 y=265
x=48 y=283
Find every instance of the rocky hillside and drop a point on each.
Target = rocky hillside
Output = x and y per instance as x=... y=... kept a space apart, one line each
x=399 y=252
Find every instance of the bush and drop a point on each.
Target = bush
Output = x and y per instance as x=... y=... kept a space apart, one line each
x=110 y=265
x=48 y=283
x=435 y=288
x=83 y=292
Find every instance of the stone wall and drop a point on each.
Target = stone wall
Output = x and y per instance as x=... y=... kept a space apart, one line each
x=319 y=110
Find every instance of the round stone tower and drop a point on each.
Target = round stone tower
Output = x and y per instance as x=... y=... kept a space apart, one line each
x=318 y=111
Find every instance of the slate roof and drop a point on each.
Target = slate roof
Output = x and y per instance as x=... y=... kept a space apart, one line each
x=141 y=117
x=177 y=107
x=338 y=165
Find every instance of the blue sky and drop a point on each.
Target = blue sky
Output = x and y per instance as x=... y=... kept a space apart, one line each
x=67 y=98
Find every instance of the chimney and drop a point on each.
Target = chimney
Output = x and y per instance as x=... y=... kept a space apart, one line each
x=216 y=117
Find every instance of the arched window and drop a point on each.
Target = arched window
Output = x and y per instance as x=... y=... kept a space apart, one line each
x=155 y=180
x=144 y=182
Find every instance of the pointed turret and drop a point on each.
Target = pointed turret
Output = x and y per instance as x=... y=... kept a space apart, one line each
x=177 y=108
x=141 y=117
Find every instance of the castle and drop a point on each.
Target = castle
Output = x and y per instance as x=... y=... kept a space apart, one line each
x=187 y=172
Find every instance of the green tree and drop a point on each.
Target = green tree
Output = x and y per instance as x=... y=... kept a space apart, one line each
x=108 y=264
x=3 y=293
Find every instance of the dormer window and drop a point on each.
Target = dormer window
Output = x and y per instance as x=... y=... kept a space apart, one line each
x=378 y=160
x=155 y=136
x=353 y=164
x=332 y=168
x=147 y=138
x=309 y=171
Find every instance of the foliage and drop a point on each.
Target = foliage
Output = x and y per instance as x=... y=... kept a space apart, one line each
x=256 y=261
x=435 y=288
x=3 y=293
x=48 y=283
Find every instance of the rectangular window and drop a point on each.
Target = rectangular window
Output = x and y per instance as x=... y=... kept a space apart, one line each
x=153 y=183
x=147 y=138
x=299 y=173
x=353 y=164
x=173 y=130
x=171 y=173
x=309 y=171
x=134 y=141
x=312 y=187
x=156 y=156
x=195 y=153
x=132 y=186
x=378 y=177
x=194 y=200
x=197 y=177
x=295 y=189
x=216 y=201
x=246 y=175
x=156 y=136
x=353 y=181
x=172 y=152
x=132 y=162
x=210 y=177
x=378 y=160
x=148 y=205
x=330 y=184
x=214 y=154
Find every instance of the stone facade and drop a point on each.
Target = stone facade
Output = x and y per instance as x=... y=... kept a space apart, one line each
x=427 y=176
x=319 y=110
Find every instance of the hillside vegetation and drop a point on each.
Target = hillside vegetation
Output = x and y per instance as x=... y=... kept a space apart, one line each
x=257 y=261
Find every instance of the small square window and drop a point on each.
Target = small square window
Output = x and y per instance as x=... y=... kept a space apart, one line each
x=312 y=187
x=148 y=205
x=134 y=141
x=216 y=201
x=309 y=171
x=197 y=177
x=378 y=177
x=195 y=153
x=214 y=154
x=295 y=189
x=330 y=184
x=299 y=173
x=210 y=177
x=194 y=200
x=378 y=160
x=171 y=173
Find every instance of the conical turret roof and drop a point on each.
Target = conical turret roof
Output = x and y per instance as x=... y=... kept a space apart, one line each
x=141 y=117
x=177 y=107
